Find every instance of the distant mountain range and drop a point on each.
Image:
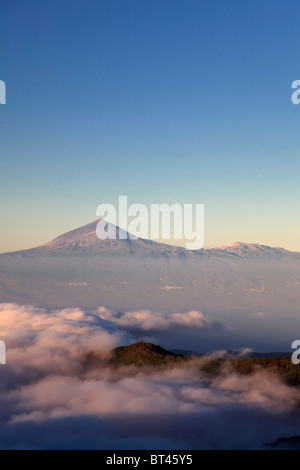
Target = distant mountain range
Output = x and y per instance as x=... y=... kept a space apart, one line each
x=84 y=240
x=243 y=286
x=143 y=354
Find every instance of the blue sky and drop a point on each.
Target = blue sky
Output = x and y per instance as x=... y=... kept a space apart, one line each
x=162 y=101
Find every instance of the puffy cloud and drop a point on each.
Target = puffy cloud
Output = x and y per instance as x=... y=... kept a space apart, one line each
x=54 y=340
x=181 y=389
x=147 y=320
x=175 y=409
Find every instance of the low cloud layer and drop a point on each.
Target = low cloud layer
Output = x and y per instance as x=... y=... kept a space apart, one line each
x=148 y=320
x=54 y=340
x=48 y=400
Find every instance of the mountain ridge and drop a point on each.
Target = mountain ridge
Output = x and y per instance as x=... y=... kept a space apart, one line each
x=84 y=240
x=145 y=354
x=245 y=284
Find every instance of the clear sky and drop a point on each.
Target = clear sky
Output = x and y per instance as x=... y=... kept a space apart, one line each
x=160 y=100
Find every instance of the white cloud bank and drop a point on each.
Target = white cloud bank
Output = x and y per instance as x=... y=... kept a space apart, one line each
x=147 y=320
x=49 y=401
x=53 y=339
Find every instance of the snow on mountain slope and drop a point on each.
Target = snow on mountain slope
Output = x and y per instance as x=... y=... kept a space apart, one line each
x=84 y=240
x=77 y=268
x=253 y=289
x=254 y=250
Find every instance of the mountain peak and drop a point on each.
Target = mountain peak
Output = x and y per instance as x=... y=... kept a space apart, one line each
x=84 y=240
x=142 y=353
x=137 y=354
x=86 y=237
x=253 y=250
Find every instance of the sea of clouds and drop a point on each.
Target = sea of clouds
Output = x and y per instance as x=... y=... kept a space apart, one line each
x=51 y=398
x=151 y=321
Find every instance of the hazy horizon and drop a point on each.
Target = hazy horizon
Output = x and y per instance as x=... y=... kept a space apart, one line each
x=175 y=243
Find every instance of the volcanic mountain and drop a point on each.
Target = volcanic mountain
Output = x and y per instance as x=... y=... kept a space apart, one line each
x=84 y=240
x=246 y=285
